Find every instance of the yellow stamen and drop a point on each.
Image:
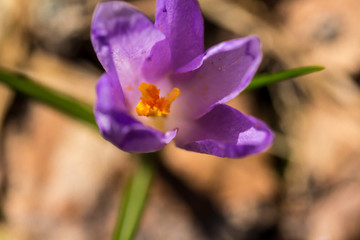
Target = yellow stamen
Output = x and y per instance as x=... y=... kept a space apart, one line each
x=152 y=104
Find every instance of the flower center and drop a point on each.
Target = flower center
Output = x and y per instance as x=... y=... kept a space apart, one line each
x=151 y=104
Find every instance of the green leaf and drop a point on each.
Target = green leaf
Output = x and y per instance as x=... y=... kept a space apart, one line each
x=59 y=101
x=82 y=111
x=134 y=197
x=262 y=80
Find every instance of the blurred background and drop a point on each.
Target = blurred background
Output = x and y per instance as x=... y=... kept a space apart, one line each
x=60 y=180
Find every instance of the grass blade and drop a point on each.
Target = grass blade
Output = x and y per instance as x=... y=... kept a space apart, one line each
x=59 y=101
x=262 y=80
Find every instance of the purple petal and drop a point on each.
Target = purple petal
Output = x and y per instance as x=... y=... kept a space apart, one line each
x=118 y=127
x=126 y=42
x=109 y=94
x=225 y=132
x=182 y=24
x=130 y=135
x=220 y=75
x=157 y=63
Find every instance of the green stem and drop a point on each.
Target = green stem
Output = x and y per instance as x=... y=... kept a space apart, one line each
x=134 y=197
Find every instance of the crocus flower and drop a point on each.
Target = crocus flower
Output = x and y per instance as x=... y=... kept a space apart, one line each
x=161 y=86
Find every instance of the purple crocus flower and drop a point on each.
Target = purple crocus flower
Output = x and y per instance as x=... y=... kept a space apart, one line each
x=160 y=85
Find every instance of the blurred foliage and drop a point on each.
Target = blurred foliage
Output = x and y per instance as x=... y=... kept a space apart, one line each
x=59 y=101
